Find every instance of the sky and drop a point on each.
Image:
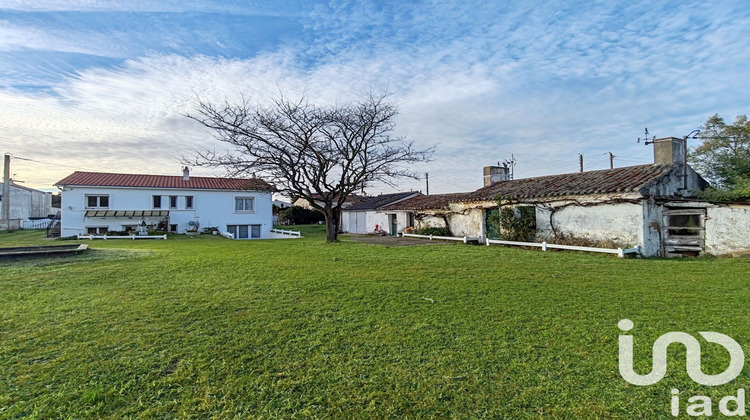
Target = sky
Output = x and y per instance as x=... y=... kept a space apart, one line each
x=104 y=85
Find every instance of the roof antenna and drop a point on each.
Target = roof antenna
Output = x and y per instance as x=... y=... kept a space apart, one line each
x=646 y=141
x=509 y=163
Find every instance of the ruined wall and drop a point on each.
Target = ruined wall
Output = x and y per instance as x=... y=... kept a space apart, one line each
x=727 y=228
x=652 y=229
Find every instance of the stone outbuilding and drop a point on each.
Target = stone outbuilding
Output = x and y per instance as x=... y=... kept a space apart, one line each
x=648 y=205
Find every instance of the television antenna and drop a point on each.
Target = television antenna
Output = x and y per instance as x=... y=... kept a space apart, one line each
x=646 y=140
x=509 y=163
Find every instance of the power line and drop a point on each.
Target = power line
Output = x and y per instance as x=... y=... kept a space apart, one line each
x=43 y=162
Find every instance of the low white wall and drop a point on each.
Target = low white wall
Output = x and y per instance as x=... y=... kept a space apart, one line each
x=727 y=228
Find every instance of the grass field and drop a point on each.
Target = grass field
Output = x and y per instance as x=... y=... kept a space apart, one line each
x=209 y=327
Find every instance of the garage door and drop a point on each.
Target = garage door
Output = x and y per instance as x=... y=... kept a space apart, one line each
x=357 y=222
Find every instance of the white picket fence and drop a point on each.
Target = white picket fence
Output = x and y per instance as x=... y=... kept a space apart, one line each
x=287 y=232
x=464 y=239
x=621 y=252
x=105 y=237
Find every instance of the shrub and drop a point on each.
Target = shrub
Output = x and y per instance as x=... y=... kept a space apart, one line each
x=515 y=223
x=569 y=239
x=301 y=216
x=435 y=231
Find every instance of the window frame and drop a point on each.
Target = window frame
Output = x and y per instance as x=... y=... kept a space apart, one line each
x=97 y=230
x=249 y=230
x=153 y=201
x=189 y=202
x=244 y=200
x=98 y=198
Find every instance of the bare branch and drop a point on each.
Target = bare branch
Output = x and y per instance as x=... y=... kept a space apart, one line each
x=319 y=153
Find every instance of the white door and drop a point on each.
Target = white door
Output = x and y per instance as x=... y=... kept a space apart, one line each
x=358 y=222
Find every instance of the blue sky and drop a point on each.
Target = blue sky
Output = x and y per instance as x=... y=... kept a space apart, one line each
x=102 y=86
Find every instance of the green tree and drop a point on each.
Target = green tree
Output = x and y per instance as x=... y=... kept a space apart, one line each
x=724 y=156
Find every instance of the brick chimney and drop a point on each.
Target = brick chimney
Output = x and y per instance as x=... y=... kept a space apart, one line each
x=495 y=174
x=670 y=151
x=186 y=174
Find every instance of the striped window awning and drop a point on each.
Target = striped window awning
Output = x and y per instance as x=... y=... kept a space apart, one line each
x=127 y=213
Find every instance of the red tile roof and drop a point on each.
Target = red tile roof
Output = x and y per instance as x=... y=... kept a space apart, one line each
x=104 y=179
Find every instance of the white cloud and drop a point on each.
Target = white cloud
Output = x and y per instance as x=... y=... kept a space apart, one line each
x=542 y=83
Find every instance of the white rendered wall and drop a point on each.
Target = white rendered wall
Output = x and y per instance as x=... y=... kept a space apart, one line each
x=26 y=203
x=727 y=228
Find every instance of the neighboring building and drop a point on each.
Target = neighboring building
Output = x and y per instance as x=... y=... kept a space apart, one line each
x=648 y=205
x=27 y=203
x=350 y=199
x=96 y=202
x=364 y=216
x=423 y=211
x=278 y=207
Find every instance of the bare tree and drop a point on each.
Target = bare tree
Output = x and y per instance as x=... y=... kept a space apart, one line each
x=319 y=153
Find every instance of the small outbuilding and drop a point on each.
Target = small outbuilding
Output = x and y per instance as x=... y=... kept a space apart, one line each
x=368 y=215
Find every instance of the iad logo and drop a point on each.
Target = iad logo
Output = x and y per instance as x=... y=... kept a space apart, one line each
x=693 y=349
x=700 y=405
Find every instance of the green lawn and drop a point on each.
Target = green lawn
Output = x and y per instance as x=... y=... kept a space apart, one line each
x=298 y=328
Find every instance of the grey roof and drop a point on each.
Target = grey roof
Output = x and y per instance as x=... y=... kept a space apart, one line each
x=423 y=202
x=376 y=202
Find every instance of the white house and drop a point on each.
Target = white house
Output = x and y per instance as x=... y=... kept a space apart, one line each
x=364 y=216
x=25 y=202
x=97 y=202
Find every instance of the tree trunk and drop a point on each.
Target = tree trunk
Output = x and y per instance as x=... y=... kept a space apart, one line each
x=332 y=224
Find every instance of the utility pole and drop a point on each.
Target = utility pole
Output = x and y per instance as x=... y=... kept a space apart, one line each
x=427 y=182
x=6 y=191
x=611 y=161
x=580 y=160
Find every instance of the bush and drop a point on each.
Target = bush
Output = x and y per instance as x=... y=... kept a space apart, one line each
x=301 y=216
x=515 y=223
x=569 y=239
x=435 y=231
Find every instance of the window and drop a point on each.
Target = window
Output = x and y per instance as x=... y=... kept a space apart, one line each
x=188 y=201
x=244 y=231
x=173 y=228
x=96 y=230
x=157 y=201
x=685 y=224
x=172 y=201
x=244 y=204
x=97 y=201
